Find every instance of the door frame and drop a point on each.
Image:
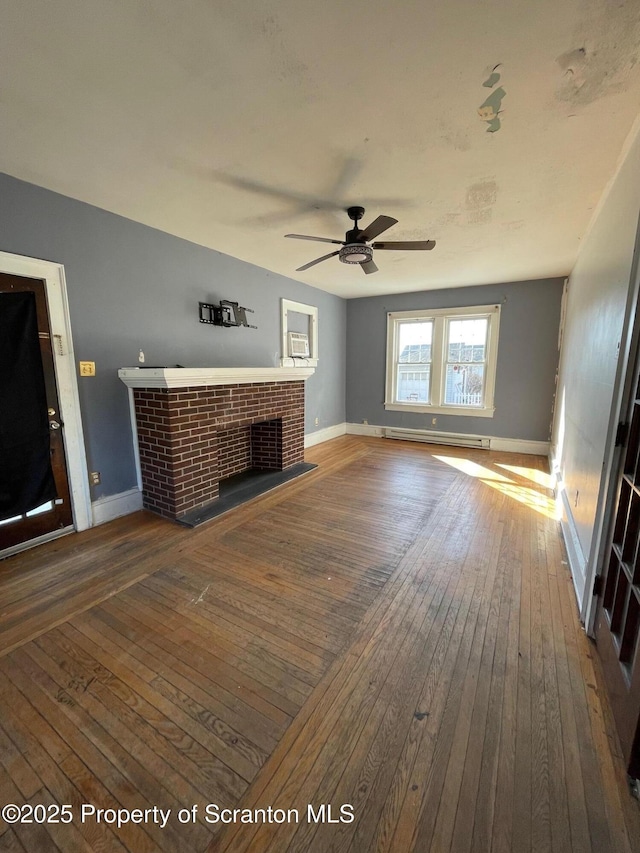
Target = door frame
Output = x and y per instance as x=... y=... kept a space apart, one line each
x=64 y=363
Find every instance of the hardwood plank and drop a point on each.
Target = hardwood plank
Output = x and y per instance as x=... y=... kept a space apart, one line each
x=482 y=736
x=396 y=630
x=137 y=762
x=439 y=804
x=235 y=625
x=242 y=757
x=391 y=713
x=9 y=843
x=558 y=801
x=276 y=701
x=522 y=790
x=252 y=726
x=483 y=819
x=251 y=653
x=572 y=771
x=17 y=767
x=193 y=667
x=369 y=771
x=502 y=824
x=72 y=725
x=594 y=796
x=160 y=743
x=540 y=806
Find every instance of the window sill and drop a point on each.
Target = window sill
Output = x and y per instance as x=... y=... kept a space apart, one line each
x=298 y=362
x=440 y=410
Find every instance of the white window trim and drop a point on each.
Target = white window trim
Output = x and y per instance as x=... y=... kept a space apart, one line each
x=438 y=360
x=312 y=312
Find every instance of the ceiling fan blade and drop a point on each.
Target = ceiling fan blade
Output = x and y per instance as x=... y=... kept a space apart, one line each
x=317 y=261
x=410 y=245
x=377 y=227
x=317 y=239
x=369 y=267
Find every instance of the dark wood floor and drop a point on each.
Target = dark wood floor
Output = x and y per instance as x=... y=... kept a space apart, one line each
x=395 y=632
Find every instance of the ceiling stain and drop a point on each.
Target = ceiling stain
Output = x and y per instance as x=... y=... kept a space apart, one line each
x=479 y=217
x=456 y=138
x=483 y=194
x=608 y=49
x=479 y=202
x=288 y=64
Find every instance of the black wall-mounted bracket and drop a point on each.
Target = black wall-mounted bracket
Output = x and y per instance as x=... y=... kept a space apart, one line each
x=225 y=314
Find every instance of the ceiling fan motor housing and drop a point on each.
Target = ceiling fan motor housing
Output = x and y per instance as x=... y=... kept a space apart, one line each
x=355 y=253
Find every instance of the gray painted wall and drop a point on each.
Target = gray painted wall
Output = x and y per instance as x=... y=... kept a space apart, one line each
x=131 y=287
x=527 y=358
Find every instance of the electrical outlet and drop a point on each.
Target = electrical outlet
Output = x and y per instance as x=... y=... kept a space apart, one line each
x=317 y=421
x=87 y=368
x=365 y=421
x=94 y=476
x=434 y=421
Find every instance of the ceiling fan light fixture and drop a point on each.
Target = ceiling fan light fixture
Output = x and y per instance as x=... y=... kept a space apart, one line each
x=356 y=253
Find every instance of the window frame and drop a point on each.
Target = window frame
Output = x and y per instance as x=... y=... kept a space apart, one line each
x=440 y=318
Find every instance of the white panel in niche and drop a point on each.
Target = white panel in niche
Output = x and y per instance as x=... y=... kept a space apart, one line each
x=298 y=317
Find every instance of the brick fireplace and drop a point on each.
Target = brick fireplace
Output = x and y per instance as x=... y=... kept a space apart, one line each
x=196 y=428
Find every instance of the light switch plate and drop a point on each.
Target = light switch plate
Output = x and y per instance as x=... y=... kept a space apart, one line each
x=87 y=368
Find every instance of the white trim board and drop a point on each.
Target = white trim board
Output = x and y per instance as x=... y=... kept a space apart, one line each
x=326 y=434
x=64 y=362
x=575 y=555
x=113 y=506
x=201 y=377
x=311 y=311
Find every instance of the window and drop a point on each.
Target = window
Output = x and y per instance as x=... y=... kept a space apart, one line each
x=297 y=317
x=442 y=361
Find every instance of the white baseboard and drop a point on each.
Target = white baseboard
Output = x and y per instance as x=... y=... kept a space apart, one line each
x=113 y=506
x=575 y=555
x=365 y=429
x=325 y=434
x=509 y=445
x=521 y=445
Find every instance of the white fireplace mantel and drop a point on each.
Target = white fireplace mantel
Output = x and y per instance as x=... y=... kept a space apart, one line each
x=194 y=377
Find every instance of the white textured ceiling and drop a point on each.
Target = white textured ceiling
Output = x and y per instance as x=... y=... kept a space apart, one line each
x=233 y=122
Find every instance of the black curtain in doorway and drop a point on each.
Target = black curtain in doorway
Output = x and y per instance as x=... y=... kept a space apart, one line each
x=26 y=477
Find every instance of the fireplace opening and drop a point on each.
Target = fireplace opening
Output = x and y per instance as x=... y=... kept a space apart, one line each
x=250 y=463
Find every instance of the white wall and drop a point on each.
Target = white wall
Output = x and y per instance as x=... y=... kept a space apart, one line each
x=594 y=328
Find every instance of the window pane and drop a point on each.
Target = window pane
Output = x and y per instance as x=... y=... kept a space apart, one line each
x=415 y=342
x=467 y=340
x=413 y=385
x=464 y=384
x=414 y=362
x=40 y=509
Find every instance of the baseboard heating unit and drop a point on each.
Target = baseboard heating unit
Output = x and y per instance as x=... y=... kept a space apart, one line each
x=430 y=437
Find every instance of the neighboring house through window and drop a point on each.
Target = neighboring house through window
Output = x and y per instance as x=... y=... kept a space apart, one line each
x=442 y=361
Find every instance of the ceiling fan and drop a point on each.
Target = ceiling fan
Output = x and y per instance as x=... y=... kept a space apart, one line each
x=357 y=247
